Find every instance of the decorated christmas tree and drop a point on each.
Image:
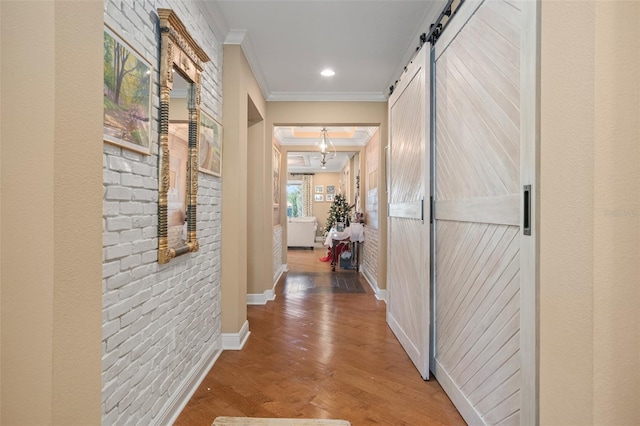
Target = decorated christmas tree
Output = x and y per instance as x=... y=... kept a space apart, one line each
x=338 y=212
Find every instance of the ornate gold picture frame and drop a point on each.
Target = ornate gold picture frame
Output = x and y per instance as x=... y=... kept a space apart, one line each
x=179 y=54
x=276 y=176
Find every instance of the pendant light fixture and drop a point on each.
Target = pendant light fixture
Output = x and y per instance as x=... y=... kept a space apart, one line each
x=325 y=147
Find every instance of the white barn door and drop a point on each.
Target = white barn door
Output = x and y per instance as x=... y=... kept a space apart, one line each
x=408 y=300
x=485 y=350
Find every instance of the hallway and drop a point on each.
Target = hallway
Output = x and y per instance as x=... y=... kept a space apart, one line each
x=315 y=353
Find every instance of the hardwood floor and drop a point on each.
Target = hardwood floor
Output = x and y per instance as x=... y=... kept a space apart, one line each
x=320 y=355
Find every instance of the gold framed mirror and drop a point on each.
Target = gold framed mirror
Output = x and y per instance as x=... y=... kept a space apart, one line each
x=181 y=65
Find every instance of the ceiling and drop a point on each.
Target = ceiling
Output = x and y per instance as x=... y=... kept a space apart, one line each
x=288 y=43
x=309 y=162
x=307 y=159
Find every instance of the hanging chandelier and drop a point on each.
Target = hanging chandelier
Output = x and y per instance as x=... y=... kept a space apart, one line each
x=326 y=148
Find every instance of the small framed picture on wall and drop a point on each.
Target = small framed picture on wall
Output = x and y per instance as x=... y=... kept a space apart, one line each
x=319 y=189
x=331 y=189
x=319 y=198
x=329 y=196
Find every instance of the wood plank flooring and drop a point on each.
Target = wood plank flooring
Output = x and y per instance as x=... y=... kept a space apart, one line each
x=320 y=355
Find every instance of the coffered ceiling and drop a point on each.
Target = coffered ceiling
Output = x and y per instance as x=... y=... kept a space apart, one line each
x=309 y=136
x=305 y=138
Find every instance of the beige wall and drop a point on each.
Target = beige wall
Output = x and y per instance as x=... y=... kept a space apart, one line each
x=239 y=85
x=260 y=233
x=52 y=234
x=333 y=114
x=1 y=139
x=616 y=228
x=589 y=213
x=321 y=209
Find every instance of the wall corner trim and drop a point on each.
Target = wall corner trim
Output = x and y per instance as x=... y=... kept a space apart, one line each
x=236 y=341
x=173 y=407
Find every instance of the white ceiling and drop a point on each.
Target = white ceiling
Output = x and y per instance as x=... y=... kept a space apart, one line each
x=287 y=43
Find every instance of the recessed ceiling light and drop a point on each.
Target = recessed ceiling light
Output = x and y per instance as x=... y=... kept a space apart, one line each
x=328 y=73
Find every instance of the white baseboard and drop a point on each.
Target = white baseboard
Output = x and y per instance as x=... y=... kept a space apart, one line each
x=174 y=406
x=468 y=413
x=379 y=293
x=267 y=295
x=261 y=298
x=236 y=341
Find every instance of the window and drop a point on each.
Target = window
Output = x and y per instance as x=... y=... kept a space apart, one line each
x=294 y=199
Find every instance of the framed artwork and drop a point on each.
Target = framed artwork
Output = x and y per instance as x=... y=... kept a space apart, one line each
x=331 y=189
x=210 y=151
x=276 y=176
x=319 y=189
x=127 y=95
x=330 y=197
x=318 y=198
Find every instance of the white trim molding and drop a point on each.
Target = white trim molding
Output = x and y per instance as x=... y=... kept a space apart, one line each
x=241 y=37
x=379 y=293
x=326 y=97
x=172 y=409
x=236 y=341
x=261 y=298
x=267 y=295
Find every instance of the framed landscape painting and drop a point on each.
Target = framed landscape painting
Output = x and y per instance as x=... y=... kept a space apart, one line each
x=127 y=95
x=210 y=152
x=276 y=176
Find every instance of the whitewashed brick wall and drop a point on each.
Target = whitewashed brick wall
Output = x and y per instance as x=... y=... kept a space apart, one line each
x=277 y=251
x=370 y=255
x=160 y=322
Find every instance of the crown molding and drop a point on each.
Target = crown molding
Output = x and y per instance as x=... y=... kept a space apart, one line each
x=235 y=36
x=327 y=97
x=241 y=37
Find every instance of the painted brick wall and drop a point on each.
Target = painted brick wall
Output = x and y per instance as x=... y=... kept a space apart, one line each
x=370 y=255
x=277 y=252
x=161 y=323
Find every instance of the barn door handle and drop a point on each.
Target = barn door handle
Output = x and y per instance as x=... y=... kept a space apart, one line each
x=387 y=169
x=526 y=226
